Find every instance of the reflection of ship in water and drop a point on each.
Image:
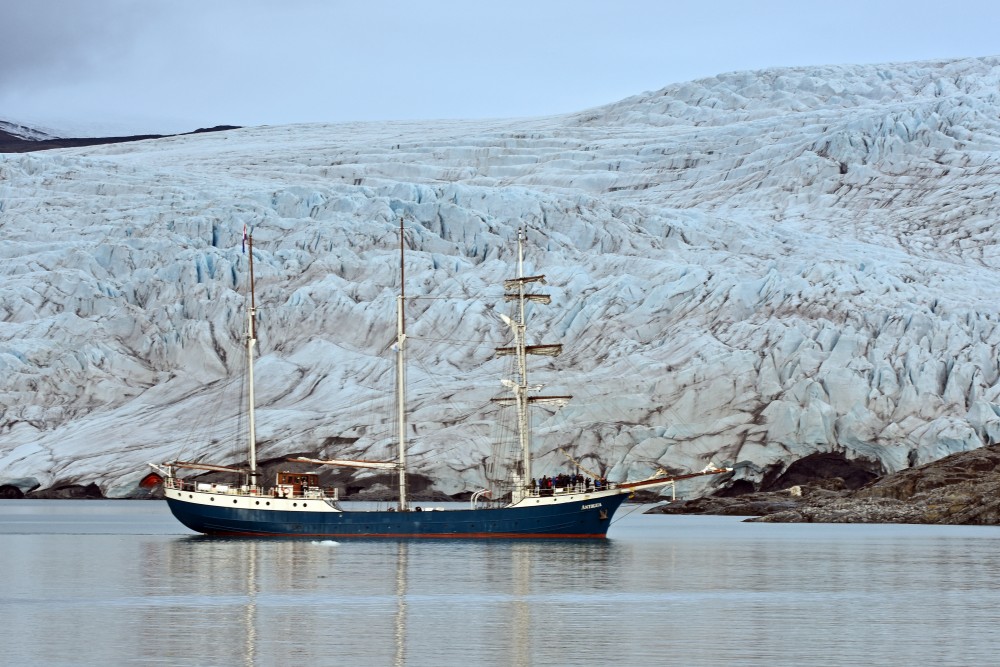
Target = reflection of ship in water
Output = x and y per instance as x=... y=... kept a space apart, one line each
x=369 y=601
x=250 y=611
x=521 y=607
x=399 y=660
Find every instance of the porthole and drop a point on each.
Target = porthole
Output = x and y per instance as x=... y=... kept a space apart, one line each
x=267 y=502
x=212 y=499
x=257 y=502
x=234 y=501
x=295 y=504
x=303 y=504
x=190 y=496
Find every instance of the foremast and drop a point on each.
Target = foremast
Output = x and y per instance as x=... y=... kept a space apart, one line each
x=401 y=371
x=251 y=342
x=517 y=290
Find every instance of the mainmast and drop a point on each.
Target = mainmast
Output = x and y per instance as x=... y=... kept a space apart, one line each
x=401 y=372
x=251 y=343
x=519 y=386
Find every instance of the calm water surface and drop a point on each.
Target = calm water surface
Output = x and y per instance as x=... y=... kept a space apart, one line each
x=120 y=582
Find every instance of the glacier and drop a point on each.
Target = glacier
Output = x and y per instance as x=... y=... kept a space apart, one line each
x=757 y=267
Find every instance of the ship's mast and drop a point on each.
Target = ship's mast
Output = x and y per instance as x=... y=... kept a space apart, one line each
x=521 y=390
x=521 y=350
x=251 y=343
x=401 y=372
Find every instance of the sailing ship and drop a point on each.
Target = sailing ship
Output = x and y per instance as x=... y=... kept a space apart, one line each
x=295 y=505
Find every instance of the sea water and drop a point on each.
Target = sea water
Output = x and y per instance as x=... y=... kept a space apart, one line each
x=120 y=582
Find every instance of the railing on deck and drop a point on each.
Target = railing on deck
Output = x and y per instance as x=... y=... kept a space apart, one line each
x=315 y=492
x=582 y=487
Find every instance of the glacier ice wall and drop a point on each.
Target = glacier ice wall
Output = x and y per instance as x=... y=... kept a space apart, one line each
x=753 y=267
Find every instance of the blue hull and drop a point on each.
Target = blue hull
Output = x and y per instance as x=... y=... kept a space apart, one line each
x=577 y=519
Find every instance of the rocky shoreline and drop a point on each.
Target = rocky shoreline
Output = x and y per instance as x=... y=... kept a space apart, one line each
x=963 y=488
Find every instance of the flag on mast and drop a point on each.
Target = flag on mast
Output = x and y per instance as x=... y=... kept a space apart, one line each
x=244 y=238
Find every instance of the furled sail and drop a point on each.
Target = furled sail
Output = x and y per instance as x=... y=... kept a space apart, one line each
x=553 y=350
x=204 y=466
x=348 y=463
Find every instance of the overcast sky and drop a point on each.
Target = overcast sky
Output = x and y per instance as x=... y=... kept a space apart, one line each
x=176 y=65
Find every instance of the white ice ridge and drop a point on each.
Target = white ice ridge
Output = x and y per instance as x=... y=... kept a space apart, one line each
x=753 y=267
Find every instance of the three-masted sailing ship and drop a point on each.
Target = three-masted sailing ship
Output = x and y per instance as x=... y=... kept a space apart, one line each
x=566 y=506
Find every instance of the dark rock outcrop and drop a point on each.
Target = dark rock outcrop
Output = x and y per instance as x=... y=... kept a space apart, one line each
x=69 y=491
x=9 y=491
x=11 y=143
x=963 y=488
